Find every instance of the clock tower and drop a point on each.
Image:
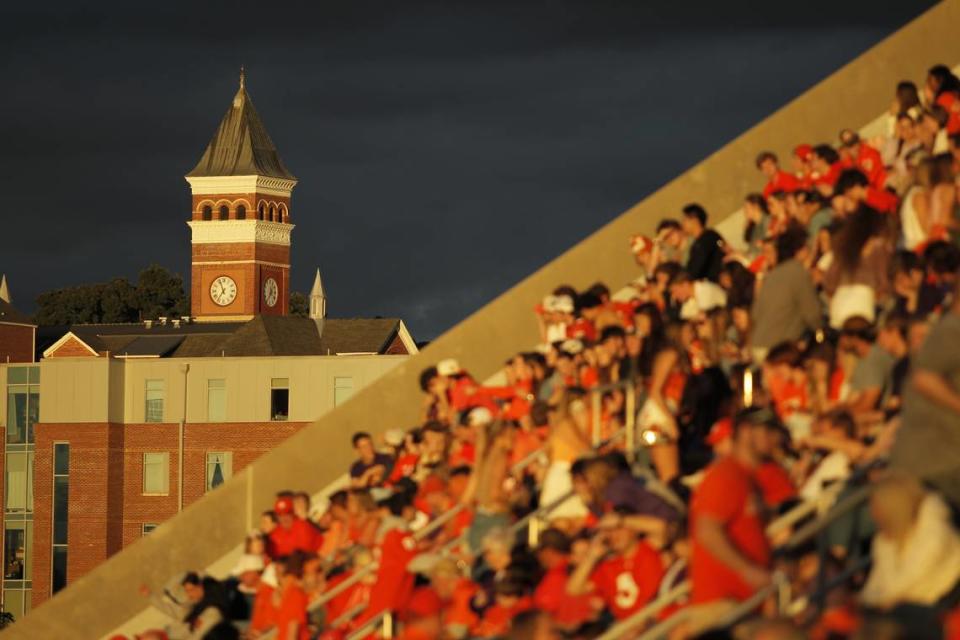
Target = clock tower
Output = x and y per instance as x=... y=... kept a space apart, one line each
x=240 y=221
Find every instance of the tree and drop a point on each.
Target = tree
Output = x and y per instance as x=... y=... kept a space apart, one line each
x=299 y=304
x=158 y=293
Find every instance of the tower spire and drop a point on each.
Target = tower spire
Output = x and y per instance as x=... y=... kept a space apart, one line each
x=243 y=78
x=318 y=299
x=5 y=290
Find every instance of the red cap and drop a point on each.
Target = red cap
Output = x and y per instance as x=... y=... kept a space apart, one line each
x=803 y=151
x=721 y=430
x=640 y=244
x=283 y=505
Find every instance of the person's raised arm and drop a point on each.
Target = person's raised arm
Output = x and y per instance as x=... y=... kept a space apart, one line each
x=579 y=581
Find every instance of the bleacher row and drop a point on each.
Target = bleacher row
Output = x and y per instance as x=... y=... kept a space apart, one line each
x=693 y=452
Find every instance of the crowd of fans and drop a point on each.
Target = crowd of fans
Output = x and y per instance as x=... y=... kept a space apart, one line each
x=760 y=377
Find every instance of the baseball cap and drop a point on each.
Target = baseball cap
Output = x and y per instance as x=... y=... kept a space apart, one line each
x=803 y=151
x=479 y=416
x=572 y=346
x=563 y=304
x=283 y=505
x=720 y=431
x=394 y=437
x=641 y=244
x=448 y=367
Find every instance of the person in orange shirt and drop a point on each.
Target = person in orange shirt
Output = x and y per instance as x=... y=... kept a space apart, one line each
x=943 y=88
x=510 y=600
x=291 y=614
x=855 y=188
x=777 y=178
x=291 y=533
x=731 y=554
x=567 y=612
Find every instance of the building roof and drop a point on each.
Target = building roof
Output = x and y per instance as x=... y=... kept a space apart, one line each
x=9 y=314
x=261 y=336
x=241 y=145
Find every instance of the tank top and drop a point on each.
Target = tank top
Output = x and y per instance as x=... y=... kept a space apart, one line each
x=913 y=233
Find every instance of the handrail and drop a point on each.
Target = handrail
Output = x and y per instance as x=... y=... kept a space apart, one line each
x=647 y=612
x=843 y=507
x=731 y=617
x=384 y=618
x=802 y=510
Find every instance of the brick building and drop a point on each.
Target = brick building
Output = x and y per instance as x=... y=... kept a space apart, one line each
x=124 y=425
x=17 y=332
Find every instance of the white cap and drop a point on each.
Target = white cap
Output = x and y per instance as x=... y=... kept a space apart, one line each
x=563 y=304
x=572 y=346
x=394 y=437
x=479 y=417
x=448 y=367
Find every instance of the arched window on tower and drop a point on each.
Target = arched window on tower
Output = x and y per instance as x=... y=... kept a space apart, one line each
x=241 y=212
x=282 y=214
x=224 y=212
x=260 y=212
x=273 y=213
x=207 y=213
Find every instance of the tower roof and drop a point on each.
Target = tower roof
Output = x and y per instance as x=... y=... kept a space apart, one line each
x=241 y=146
x=317 y=289
x=5 y=291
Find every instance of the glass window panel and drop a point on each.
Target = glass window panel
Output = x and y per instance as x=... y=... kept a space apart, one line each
x=17 y=415
x=61 y=458
x=279 y=404
x=16 y=482
x=148 y=528
x=279 y=383
x=33 y=411
x=61 y=501
x=17 y=375
x=33 y=375
x=153 y=399
x=14 y=553
x=13 y=602
x=219 y=469
x=155 y=473
x=59 y=569
x=216 y=400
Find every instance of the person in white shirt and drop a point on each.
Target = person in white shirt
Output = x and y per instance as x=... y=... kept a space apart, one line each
x=916 y=552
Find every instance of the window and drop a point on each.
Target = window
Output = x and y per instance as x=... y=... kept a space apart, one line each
x=224 y=212
x=241 y=212
x=216 y=400
x=219 y=469
x=156 y=474
x=207 y=213
x=61 y=502
x=153 y=404
x=147 y=528
x=273 y=213
x=14 y=553
x=342 y=390
x=18 y=488
x=279 y=398
x=260 y=209
x=282 y=214
x=23 y=403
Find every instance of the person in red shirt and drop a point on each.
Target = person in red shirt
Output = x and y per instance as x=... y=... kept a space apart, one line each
x=395 y=549
x=620 y=567
x=731 y=555
x=291 y=615
x=825 y=168
x=943 y=88
x=855 y=189
x=777 y=178
x=510 y=601
x=291 y=533
x=456 y=593
x=566 y=611
x=421 y=616
x=857 y=154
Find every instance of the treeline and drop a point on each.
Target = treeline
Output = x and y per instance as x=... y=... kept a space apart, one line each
x=158 y=292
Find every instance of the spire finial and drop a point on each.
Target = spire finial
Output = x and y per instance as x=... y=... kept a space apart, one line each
x=243 y=78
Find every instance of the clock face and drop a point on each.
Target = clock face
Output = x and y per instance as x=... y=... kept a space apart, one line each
x=223 y=290
x=270 y=292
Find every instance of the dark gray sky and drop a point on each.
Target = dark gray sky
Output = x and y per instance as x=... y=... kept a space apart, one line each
x=444 y=149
